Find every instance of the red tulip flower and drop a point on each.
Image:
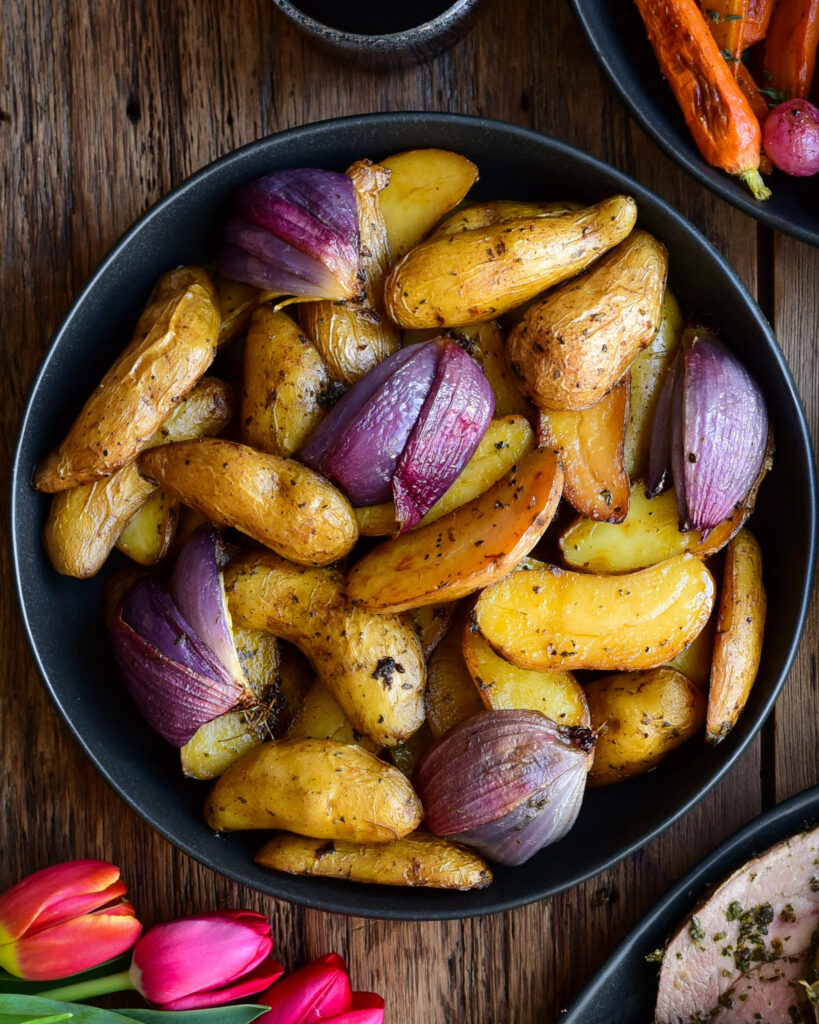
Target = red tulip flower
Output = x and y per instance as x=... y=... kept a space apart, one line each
x=320 y=993
x=205 y=960
x=65 y=919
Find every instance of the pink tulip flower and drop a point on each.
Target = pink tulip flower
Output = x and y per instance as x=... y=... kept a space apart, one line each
x=207 y=960
x=65 y=919
x=320 y=993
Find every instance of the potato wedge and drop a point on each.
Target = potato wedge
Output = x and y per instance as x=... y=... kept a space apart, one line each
x=354 y=337
x=484 y=342
x=406 y=755
x=647 y=375
x=173 y=344
x=421 y=859
x=649 y=534
x=295 y=676
x=505 y=443
x=285 y=385
x=326 y=790
x=220 y=743
x=695 y=660
x=279 y=502
x=479 y=274
x=321 y=718
x=641 y=717
x=431 y=623
x=589 y=444
x=451 y=695
x=424 y=185
x=504 y=686
x=237 y=302
x=549 y=618
x=150 y=532
x=481 y=215
x=85 y=521
x=738 y=640
x=372 y=664
x=575 y=344
x=470 y=548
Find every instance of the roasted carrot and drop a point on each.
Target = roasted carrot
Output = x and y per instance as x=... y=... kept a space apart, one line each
x=717 y=113
x=756 y=21
x=726 y=19
x=790 y=47
x=759 y=105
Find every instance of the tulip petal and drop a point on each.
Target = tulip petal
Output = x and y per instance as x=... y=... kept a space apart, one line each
x=72 y=946
x=368 y=1008
x=248 y=985
x=47 y=896
x=320 y=991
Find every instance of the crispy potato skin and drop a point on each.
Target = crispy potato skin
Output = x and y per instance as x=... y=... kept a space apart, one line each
x=475 y=275
x=575 y=344
x=481 y=215
x=642 y=717
x=548 y=619
x=649 y=534
x=321 y=718
x=738 y=640
x=372 y=664
x=589 y=444
x=647 y=374
x=431 y=623
x=468 y=549
x=451 y=695
x=355 y=337
x=284 y=378
x=237 y=302
x=149 y=533
x=280 y=503
x=504 y=686
x=326 y=790
x=424 y=185
x=485 y=343
x=85 y=521
x=173 y=344
x=695 y=660
x=420 y=859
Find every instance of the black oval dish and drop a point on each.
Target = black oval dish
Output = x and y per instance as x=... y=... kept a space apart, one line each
x=616 y=34
x=624 y=990
x=64 y=616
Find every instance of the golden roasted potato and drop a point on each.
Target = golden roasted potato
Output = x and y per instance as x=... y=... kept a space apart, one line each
x=354 y=337
x=451 y=695
x=278 y=502
x=649 y=534
x=260 y=658
x=575 y=343
x=738 y=640
x=549 y=618
x=85 y=521
x=150 y=531
x=484 y=342
x=641 y=717
x=372 y=664
x=220 y=743
x=479 y=274
x=430 y=623
x=419 y=859
x=295 y=674
x=424 y=185
x=321 y=718
x=589 y=444
x=468 y=549
x=481 y=215
x=504 y=686
x=406 y=755
x=647 y=375
x=173 y=344
x=505 y=443
x=285 y=382
x=237 y=302
x=695 y=660
x=326 y=790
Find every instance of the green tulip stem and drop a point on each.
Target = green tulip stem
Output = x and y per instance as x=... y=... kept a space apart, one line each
x=82 y=990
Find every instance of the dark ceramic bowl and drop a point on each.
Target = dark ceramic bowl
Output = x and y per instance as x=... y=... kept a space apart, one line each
x=624 y=990
x=390 y=50
x=64 y=616
x=617 y=36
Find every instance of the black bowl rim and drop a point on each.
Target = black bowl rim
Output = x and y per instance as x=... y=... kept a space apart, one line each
x=718 y=182
x=781 y=820
x=641 y=193
x=380 y=41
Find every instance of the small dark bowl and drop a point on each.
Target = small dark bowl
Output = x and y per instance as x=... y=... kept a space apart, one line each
x=384 y=52
x=617 y=36
x=64 y=616
x=624 y=990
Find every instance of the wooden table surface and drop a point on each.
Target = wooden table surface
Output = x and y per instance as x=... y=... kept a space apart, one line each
x=105 y=107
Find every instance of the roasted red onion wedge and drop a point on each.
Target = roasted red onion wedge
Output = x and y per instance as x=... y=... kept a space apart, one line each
x=452 y=423
x=506 y=782
x=198 y=591
x=239 y=265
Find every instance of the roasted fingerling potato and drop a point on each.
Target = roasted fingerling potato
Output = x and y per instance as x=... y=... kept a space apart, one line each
x=149 y=533
x=481 y=215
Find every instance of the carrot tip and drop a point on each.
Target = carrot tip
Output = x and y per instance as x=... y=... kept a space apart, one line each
x=753 y=179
